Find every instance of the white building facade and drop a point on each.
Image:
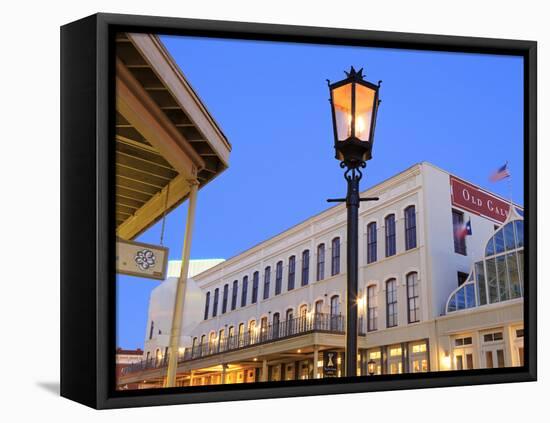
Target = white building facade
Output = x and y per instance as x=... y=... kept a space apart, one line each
x=275 y=310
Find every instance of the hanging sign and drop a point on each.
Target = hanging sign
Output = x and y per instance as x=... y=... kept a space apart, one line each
x=330 y=363
x=139 y=259
x=475 y=200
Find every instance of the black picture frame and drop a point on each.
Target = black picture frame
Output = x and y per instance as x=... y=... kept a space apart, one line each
x=87 y=223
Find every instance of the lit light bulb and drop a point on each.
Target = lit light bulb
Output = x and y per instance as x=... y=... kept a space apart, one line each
x=359 y=126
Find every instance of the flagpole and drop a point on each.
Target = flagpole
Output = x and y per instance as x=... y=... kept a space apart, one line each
x=510 y=190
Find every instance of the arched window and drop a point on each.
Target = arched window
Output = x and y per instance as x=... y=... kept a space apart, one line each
x=320 y=262
x=289 y=314
x=215 y=306
x=389 y=223
x=305 y=267
x=372 y=308
x=371 y=242
x=241 y=334
x=255 y=282
x=252 y=331
x=391 y=303
x=244 y=292
x=410 y=227
x=225 y=295
x=302 y=323
x=413 y=305
x=335 y=313
x=335 y=263
x=318 y=307
x=276 y=322
x=206 y=306
x=291 y=271
x=334 y=305
x=221 y=340
x=267 y=281
x=234 y=294
x=289 y=322
x=151 y=329
x=212 y=342
x=278 y=277
x=263 y=329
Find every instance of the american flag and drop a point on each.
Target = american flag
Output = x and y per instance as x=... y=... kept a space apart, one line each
x=501 y=173
x=464 y=229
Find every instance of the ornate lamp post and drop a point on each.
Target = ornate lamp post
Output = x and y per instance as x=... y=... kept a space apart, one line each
x=370 y=367
x=354 y=104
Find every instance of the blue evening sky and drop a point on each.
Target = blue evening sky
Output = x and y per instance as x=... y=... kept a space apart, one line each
x=461 y=112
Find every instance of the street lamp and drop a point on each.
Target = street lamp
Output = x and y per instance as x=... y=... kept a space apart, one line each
x=354 y=103
x=370 y=367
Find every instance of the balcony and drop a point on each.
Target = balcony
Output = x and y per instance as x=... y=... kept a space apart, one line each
x=264 y=334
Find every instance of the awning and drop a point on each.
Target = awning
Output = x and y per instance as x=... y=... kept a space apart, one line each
x=165 y=136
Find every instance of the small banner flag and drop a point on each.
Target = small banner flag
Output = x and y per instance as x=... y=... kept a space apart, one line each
x=500 y=174
x=464 y=229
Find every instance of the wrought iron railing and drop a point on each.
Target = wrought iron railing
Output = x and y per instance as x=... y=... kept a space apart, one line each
x=316 y=322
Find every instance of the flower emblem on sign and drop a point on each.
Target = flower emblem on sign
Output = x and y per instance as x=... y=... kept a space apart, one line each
x=145 y=259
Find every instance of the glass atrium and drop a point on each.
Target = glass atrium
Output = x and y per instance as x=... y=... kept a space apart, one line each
x=499 y=275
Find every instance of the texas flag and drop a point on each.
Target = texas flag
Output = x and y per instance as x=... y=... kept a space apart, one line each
x=500 y=174
x=464 y=229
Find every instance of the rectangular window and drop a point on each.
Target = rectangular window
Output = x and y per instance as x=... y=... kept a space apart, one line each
x=461 y=277
x=371 y=242
x=267 y=281
x=410 y=227
x=255 y=282
x=391 y=303
x=419 y=348
x=234 y=294
x=244 y=291
x=390 y=235
x=491 y=337
x=206 y=306
x=215 y=307
x=481 y=286
x=459 y=365
x=513 y=275
x=469 y=361
x=492 y=280
x=321 y=262
x=395 y=352
x=224 y=301
x=412 y=297
x=372 y=309
x=521 y=357
x=519 y=333
x=500 y=358
x=459 y=239
x=305 y=270
x=502 y=275
x=291 y=271
x=489 y=359
x=335 y=263
x=278 y=278
x=463 y=341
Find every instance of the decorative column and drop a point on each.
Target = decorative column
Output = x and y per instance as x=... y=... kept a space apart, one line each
x=177 y=315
